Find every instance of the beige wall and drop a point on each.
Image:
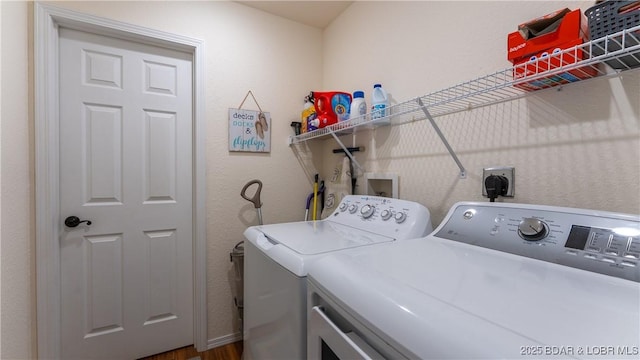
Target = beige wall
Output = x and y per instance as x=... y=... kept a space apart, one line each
x=245 y=50
x=578 y=147
x=18 y=251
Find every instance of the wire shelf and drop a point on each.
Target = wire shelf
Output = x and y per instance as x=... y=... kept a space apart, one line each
x=555 y=69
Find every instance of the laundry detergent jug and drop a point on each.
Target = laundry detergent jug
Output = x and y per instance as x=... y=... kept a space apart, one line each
x=331 y=107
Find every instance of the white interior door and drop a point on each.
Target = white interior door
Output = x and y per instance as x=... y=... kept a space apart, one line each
x=125 y=165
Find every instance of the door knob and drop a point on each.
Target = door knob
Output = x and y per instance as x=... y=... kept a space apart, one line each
x=73 y=221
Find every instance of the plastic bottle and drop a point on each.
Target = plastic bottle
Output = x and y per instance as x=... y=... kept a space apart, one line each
x=309 y=116
x=358 y=105
x=340 y=103
x=379 y=105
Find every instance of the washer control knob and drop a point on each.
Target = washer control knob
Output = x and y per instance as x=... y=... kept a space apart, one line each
x=400 y=217
x=386 y=214
x=353 y=208
x=532 y=229
x=367 y=211
x=343 y=206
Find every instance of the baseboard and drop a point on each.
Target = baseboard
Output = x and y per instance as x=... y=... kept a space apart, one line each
x=223 y=340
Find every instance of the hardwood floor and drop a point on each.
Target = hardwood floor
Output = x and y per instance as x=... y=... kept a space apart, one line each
x=227 y=352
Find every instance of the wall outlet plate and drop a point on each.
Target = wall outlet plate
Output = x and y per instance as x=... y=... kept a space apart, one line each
x=508 y=172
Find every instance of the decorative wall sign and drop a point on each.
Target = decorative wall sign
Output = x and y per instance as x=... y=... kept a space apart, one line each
x=249 y=130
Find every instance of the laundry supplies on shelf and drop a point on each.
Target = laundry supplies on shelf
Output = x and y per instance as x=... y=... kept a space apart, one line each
x=358 y=105
x=379 y=105
x=309 y=116
x=538 y=45
x=331 y=107
x=610 y=17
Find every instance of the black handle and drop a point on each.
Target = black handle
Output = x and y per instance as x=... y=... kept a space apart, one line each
x=73 y=221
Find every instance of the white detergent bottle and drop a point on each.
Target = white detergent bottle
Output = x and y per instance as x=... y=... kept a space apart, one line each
x=358 y=105
x=379 y=105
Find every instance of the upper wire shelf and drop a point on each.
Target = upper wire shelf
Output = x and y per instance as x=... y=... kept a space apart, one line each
x=558 y=68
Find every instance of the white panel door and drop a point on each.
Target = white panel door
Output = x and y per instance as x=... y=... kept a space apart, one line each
x=126 y=166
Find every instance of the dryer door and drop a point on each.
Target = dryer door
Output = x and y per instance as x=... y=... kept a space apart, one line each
x=327 y=341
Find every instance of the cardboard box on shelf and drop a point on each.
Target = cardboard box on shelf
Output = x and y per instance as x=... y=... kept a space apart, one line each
x=538 y=44
x=544 y=61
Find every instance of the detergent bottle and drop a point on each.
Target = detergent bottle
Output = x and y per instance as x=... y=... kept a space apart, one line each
x=341 y=103
x=379 y=105
x=358 y=105
x=331 y=107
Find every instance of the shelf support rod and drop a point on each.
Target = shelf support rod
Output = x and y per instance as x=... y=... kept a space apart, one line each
x=346 y=151
x=463 y=172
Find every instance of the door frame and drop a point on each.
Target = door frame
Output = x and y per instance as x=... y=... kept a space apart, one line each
x=47 y=21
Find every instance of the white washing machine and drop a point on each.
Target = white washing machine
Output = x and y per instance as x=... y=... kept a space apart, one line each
x=277 y=257
x=492 y=281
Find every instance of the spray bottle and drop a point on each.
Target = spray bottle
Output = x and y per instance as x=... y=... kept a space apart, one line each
x=309 y=116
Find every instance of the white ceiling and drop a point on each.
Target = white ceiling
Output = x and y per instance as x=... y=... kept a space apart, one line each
x=313 y=13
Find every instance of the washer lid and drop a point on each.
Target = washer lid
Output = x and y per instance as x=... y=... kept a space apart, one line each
x=311 y=238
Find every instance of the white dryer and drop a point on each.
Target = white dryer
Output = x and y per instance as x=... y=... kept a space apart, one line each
x=277 y=257
x=492 y=281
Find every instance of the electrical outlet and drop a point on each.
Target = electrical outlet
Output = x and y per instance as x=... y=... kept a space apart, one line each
x=508 y=172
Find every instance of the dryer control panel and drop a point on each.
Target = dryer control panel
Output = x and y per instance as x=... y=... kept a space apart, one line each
x=602 y=242
x=400 y=219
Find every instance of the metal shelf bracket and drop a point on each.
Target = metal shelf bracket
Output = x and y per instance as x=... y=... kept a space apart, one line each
x=463 y=172
x=346 y=151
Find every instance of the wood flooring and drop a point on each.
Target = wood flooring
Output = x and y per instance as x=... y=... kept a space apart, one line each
x=231 y=351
